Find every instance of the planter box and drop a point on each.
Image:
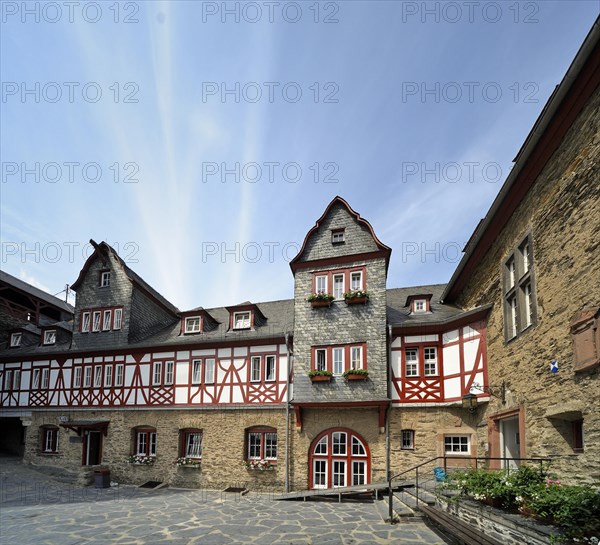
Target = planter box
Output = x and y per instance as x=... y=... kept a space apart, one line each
x=190 y=466
x=357 y=377
x=320 y=378
x=320 y=303
x=356 y=300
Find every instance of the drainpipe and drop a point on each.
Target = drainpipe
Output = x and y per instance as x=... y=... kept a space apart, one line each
x=290 y=356
x=389 y=394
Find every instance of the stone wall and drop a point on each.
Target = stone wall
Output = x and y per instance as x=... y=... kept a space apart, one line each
x=562 y=212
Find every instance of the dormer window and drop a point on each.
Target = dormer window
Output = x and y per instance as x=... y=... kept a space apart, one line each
x=192 y=324
x=241 y=320
x=104 y=279
x=337 y=236
x=15 y=340
x=50 y=336
x=419 y=305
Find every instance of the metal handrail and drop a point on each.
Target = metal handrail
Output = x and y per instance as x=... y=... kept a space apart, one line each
x=446 y=458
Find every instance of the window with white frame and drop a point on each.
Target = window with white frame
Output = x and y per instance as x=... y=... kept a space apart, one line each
x=192 y=444
x=419 y=305
x=338 y=443
x=412 y=362
x=356 y=283
x=192 y=324
x=104 y=279
x=241 y=320
x=50 y=336
x=169 y=372
x=457 y=444
x=157 y=373
x=35 y=379
x=106 y=320
x=338 y=286
x=85 y=322
x=356 y=357
x=255 y=363
x=337 y=236
x=108 y=376
x=321 y=284
x=261 y=444
x=98 y=376
x=407 y=440
x=96 y=321
x=520 y=311
x=15 y=340
x=196 y=371
x=209 y=371
x=270 y=368
x=338 y=360
x=118 y=318
x=7 y=380
x=145 y=441
x=17 y=379
x=87 y=377
x=430 y=359
x=45 y=378
x=119 y=372
x=49 y=439
x=321 y=359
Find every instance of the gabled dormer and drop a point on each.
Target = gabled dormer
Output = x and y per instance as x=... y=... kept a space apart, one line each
x=419 y=303
x=245 y=316
x=25 y=336
x=197 y=321
x=114 y=305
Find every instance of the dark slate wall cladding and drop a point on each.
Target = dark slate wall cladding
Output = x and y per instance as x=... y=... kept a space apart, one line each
x=358 y=237
x=91 y=295
x=341 y=324
x=147 y=318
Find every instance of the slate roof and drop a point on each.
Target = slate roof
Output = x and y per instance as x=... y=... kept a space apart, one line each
x=35 y=292
x=280 y=320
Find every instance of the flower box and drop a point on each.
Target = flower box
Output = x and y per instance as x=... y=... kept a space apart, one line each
x=320 y=378
x=318 y=303
x=189 y=466
x=356 y=300
x=356 y=377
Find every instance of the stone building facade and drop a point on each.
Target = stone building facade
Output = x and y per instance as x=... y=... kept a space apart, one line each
x=350 y=381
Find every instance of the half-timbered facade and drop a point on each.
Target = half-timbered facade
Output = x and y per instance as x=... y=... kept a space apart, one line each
x=350 y=380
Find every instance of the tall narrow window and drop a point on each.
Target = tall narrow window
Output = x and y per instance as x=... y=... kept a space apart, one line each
x=356 y=282
x=511 y=273
x=338 y=286
x=87 y=377
x=408 y=440
x=528 y=305
x=7 y=380
x=119 y=370
x=209 y=371
x=196 y=371
x=85 y=322
x=512 y=303
x=76 y=377
x=157 y=373
x=45 y=378
x=49 y=439
x=108 y=372
x=338 y=361
x=412 y=362
x=106 y=320
x=169 y=369
x=96 y=322
x=17 y=380
x=35 y=381
x=270 y=368
x=356 y=357
x=321 y=284
x=98 y=376
x=255 y=369
x=145 y=442
x=321 y=359
x=118 y=318
x=430 y=358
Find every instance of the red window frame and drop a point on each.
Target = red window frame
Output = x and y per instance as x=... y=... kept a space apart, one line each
x=345 y=272
x=263 y=431
x=329 y=355
x=183 y=442
x=420 y=347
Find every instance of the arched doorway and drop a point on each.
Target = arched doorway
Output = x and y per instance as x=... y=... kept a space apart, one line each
x=339 y=457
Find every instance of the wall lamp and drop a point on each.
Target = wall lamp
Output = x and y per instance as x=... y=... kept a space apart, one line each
x=470 y=401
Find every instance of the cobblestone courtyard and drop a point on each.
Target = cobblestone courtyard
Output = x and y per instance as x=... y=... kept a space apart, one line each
x=37 y=508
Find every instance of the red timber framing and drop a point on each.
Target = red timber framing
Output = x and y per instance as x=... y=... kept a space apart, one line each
x=152 y=378
x=460 y=361
x=339 y=272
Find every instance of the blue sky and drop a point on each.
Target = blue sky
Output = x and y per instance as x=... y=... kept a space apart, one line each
x=411 y=111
